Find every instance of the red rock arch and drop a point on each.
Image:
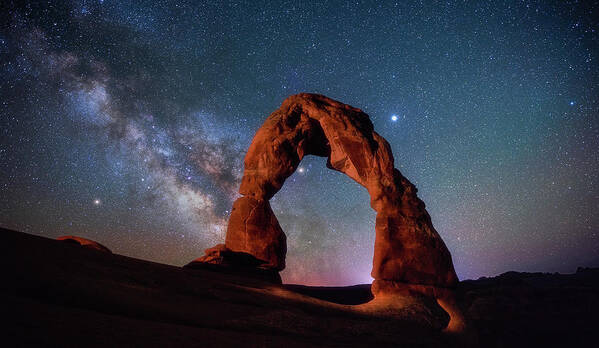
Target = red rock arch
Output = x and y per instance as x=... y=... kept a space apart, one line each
x=407 y=247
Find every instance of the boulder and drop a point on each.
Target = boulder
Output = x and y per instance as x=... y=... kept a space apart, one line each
x=221 y=255
x=85 y=242
x=222 y=259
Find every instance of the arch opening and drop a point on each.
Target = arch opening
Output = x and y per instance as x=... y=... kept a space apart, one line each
x=329 y=238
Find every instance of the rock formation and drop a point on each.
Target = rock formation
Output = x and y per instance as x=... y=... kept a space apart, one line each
x=407 y=251
x=254 y=229
x=407 y=247
x=85 y=242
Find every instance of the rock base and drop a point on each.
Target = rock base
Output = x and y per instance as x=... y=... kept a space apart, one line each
x=425 y=302
x=221 y=259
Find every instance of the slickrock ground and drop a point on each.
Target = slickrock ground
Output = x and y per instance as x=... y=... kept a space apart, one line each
x=62 y=294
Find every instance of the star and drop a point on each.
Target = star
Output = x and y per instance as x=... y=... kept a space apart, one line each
x=394 y=118
x=301 y=170
x=97 y=201
x=572 y=103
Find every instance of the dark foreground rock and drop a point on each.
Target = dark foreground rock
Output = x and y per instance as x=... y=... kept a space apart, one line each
x=57 y=295
x=534 y=309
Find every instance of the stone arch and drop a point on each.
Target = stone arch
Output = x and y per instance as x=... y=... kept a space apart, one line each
x=407 y=247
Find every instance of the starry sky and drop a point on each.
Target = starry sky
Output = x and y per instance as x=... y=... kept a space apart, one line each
x=126 y=122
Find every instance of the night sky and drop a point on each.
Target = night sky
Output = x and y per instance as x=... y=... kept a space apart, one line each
x=126 y=122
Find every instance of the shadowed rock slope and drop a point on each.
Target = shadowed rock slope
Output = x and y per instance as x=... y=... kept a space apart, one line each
x=62 y=294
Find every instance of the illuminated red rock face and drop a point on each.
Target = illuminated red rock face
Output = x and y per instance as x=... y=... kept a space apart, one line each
x=85 y=242
x=407 y=247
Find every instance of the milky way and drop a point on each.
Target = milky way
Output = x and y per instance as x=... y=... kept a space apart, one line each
x=127 y=123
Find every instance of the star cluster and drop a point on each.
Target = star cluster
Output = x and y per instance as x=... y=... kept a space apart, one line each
x=127 y=123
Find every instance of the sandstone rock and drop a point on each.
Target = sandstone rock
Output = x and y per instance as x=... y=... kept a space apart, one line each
x=220 y=258
x=407 y=247
x=85 y=242
x=396 y=292
x=221 y=255
x=214 y=255
x=254 y=229
x=407 y=303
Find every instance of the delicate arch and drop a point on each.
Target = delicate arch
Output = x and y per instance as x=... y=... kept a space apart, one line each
x=407 y=247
